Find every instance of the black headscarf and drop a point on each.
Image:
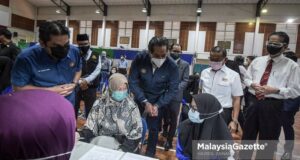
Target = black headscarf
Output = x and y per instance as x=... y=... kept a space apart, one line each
x=213 y=128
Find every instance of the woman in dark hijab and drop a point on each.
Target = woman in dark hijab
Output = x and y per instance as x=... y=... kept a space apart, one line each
x=204 y=123
x=36 y=124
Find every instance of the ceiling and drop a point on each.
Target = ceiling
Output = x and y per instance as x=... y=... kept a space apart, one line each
x=40 y=3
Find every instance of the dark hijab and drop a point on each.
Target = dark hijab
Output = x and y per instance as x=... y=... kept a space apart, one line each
x=213 y=128
x=36 y=124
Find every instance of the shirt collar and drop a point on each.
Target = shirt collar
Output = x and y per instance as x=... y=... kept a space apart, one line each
x=88 y=55
x=276 y=59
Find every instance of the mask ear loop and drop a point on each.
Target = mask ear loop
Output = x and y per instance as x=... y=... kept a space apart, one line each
x=215 y=114
x=219 y=111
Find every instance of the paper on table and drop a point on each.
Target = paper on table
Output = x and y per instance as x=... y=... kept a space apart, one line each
x=100 y=153
x=130 y=156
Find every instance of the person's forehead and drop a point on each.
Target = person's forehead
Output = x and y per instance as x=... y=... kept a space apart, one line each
x=274 y=38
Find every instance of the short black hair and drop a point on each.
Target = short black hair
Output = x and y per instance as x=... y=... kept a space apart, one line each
x=239 y=59
x=6 y=33
x=284 y=38
x=251 y=57
x=52 y=28
x=157 y=41
x=175 y=44
x=219 y=49
x=291 y=55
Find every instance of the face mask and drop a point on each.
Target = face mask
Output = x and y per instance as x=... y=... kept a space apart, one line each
x=119 y=95
x=175 y=56
x=84 y=50
x=158 y=62
x=60 y=52
x=194 y=116
x=216 y=65
x=273 y=49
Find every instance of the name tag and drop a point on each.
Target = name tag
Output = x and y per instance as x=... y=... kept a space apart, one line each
x=44 y=70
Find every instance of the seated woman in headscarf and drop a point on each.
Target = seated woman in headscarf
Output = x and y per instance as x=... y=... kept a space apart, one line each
x=114 y=119
x=36 y=124
x=204 y=123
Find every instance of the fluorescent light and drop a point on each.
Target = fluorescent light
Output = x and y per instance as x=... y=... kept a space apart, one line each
x=250 y=23
x=57 y=11
x=199 y=10
x=264 y=10
x=290 y=20
x=97 y=11
x=144 y=10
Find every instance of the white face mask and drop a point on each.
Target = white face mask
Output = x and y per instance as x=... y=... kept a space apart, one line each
x=158 y=62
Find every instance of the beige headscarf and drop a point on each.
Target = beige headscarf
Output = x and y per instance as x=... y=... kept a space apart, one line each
x=116 y=80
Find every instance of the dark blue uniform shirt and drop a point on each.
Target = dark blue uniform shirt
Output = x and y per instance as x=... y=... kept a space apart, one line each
x=159 y=87
x=35 y=67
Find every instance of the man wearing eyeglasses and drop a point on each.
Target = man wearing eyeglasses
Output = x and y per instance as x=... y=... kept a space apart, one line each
x=53 y=65
x=89 y=81
x=270 y=80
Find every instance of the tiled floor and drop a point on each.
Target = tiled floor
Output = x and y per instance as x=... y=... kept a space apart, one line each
x=170 y=155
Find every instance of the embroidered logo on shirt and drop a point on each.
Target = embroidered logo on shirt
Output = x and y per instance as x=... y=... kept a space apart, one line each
x=143 y=70
x=72 y=64
x=94 y=57
x=224 y=79
x=44 y=70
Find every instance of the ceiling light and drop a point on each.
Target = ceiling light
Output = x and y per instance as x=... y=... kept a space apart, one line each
x=57 y=11
x=264 y=10
x=97 y=11
x=144 y=10
x=199 y=10
x=250 y=23
x=290 y=20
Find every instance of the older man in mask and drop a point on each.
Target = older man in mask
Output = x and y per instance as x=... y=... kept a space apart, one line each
x=271 y=79
x=89 y=81
x=154 y=80
x=105 y=70
x=53 y=65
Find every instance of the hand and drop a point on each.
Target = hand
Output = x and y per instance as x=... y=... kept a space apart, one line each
x=233 y=126
x=63 y=90
x=154 y=111
x=269 y=90
x=256 y=87
x=84 y=85
x=148 y=108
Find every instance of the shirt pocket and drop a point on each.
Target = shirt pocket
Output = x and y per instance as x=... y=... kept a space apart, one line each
x=223 y=88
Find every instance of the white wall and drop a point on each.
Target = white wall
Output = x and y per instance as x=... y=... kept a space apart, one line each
x=23 y=8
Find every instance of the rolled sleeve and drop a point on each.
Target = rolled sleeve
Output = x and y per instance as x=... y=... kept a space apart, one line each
x=21 y=72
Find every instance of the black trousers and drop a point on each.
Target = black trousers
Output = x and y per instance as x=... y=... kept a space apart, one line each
x=262 y=119
x=227 y=115
x=287 y=124
x=153 y=124
x=170 y=116
x=88 y=96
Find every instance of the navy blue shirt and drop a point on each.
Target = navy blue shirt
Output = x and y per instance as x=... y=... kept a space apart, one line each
x=35 y=67
x=158 y=88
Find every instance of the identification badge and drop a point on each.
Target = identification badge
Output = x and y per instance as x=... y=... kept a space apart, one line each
x=224 y=79
x=94 y=57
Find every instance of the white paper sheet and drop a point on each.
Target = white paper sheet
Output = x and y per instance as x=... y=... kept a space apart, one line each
x=130 y=156
x=99 y=153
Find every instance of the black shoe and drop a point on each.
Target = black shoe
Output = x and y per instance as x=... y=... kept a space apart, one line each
x=286 y=156
x=168 y=146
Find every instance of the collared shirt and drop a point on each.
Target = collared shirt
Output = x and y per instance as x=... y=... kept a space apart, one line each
x=35 y=67
x=97 y=71
x=223 y=84
x=285 y=75
x=123 y=64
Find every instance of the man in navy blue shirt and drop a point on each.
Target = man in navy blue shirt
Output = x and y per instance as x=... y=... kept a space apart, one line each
x=154 y=80
x=53 y=65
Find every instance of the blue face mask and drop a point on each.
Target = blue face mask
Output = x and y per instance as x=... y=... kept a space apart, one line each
x=119 y=95
x=194 y=116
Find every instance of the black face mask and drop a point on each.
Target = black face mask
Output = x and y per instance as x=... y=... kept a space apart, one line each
x=273 y=49
x=84 y=50
x=174 y=55
x=60 y=52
